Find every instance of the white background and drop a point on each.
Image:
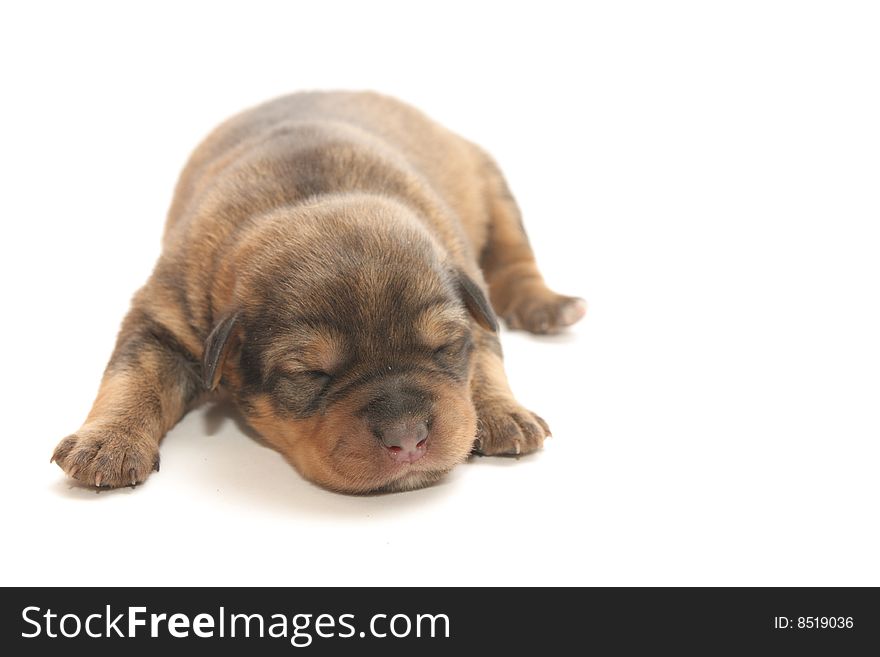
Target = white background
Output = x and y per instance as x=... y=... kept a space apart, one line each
x=704 y=174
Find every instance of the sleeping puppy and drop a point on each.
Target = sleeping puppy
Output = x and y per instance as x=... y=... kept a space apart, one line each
x=325 y=261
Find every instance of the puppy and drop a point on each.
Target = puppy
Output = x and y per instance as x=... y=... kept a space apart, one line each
x=326 y=260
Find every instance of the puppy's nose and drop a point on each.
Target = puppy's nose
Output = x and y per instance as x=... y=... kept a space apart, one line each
x=406 y=440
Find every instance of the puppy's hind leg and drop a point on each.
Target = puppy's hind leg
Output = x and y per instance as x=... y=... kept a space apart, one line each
x=147 y=386
x=504 y=427
x=516 y=287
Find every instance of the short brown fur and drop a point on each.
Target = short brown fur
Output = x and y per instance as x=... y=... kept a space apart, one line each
x=325 y=261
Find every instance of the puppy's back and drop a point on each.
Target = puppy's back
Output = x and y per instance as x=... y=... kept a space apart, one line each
x=367 y=123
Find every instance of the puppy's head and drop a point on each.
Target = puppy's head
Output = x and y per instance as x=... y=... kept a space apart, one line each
x=349 y=349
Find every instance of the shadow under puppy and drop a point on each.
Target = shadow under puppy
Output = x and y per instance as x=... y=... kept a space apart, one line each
x=324 y=260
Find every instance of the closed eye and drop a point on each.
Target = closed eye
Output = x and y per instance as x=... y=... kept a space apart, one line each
x=313 y=379
x=319 y=376
x=307 y=386
x=452 y=348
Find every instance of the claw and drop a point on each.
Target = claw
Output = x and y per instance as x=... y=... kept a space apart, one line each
x=98 y=480
x=156 y=464
x=133 y=477
x=543 y=424
x=73 y=471
x=572 y=311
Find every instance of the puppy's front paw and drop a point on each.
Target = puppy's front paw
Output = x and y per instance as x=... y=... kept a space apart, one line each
x=544 y=311
x=107 y=457
x=506 y=428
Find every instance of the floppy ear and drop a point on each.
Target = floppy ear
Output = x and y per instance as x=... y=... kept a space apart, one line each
x=216 y=348
x=475 y=301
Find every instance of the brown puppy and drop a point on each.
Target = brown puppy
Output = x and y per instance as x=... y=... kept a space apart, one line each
x=324 y=261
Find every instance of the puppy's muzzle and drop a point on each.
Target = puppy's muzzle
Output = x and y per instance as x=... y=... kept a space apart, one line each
x=406 y=440
x=400 y=417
